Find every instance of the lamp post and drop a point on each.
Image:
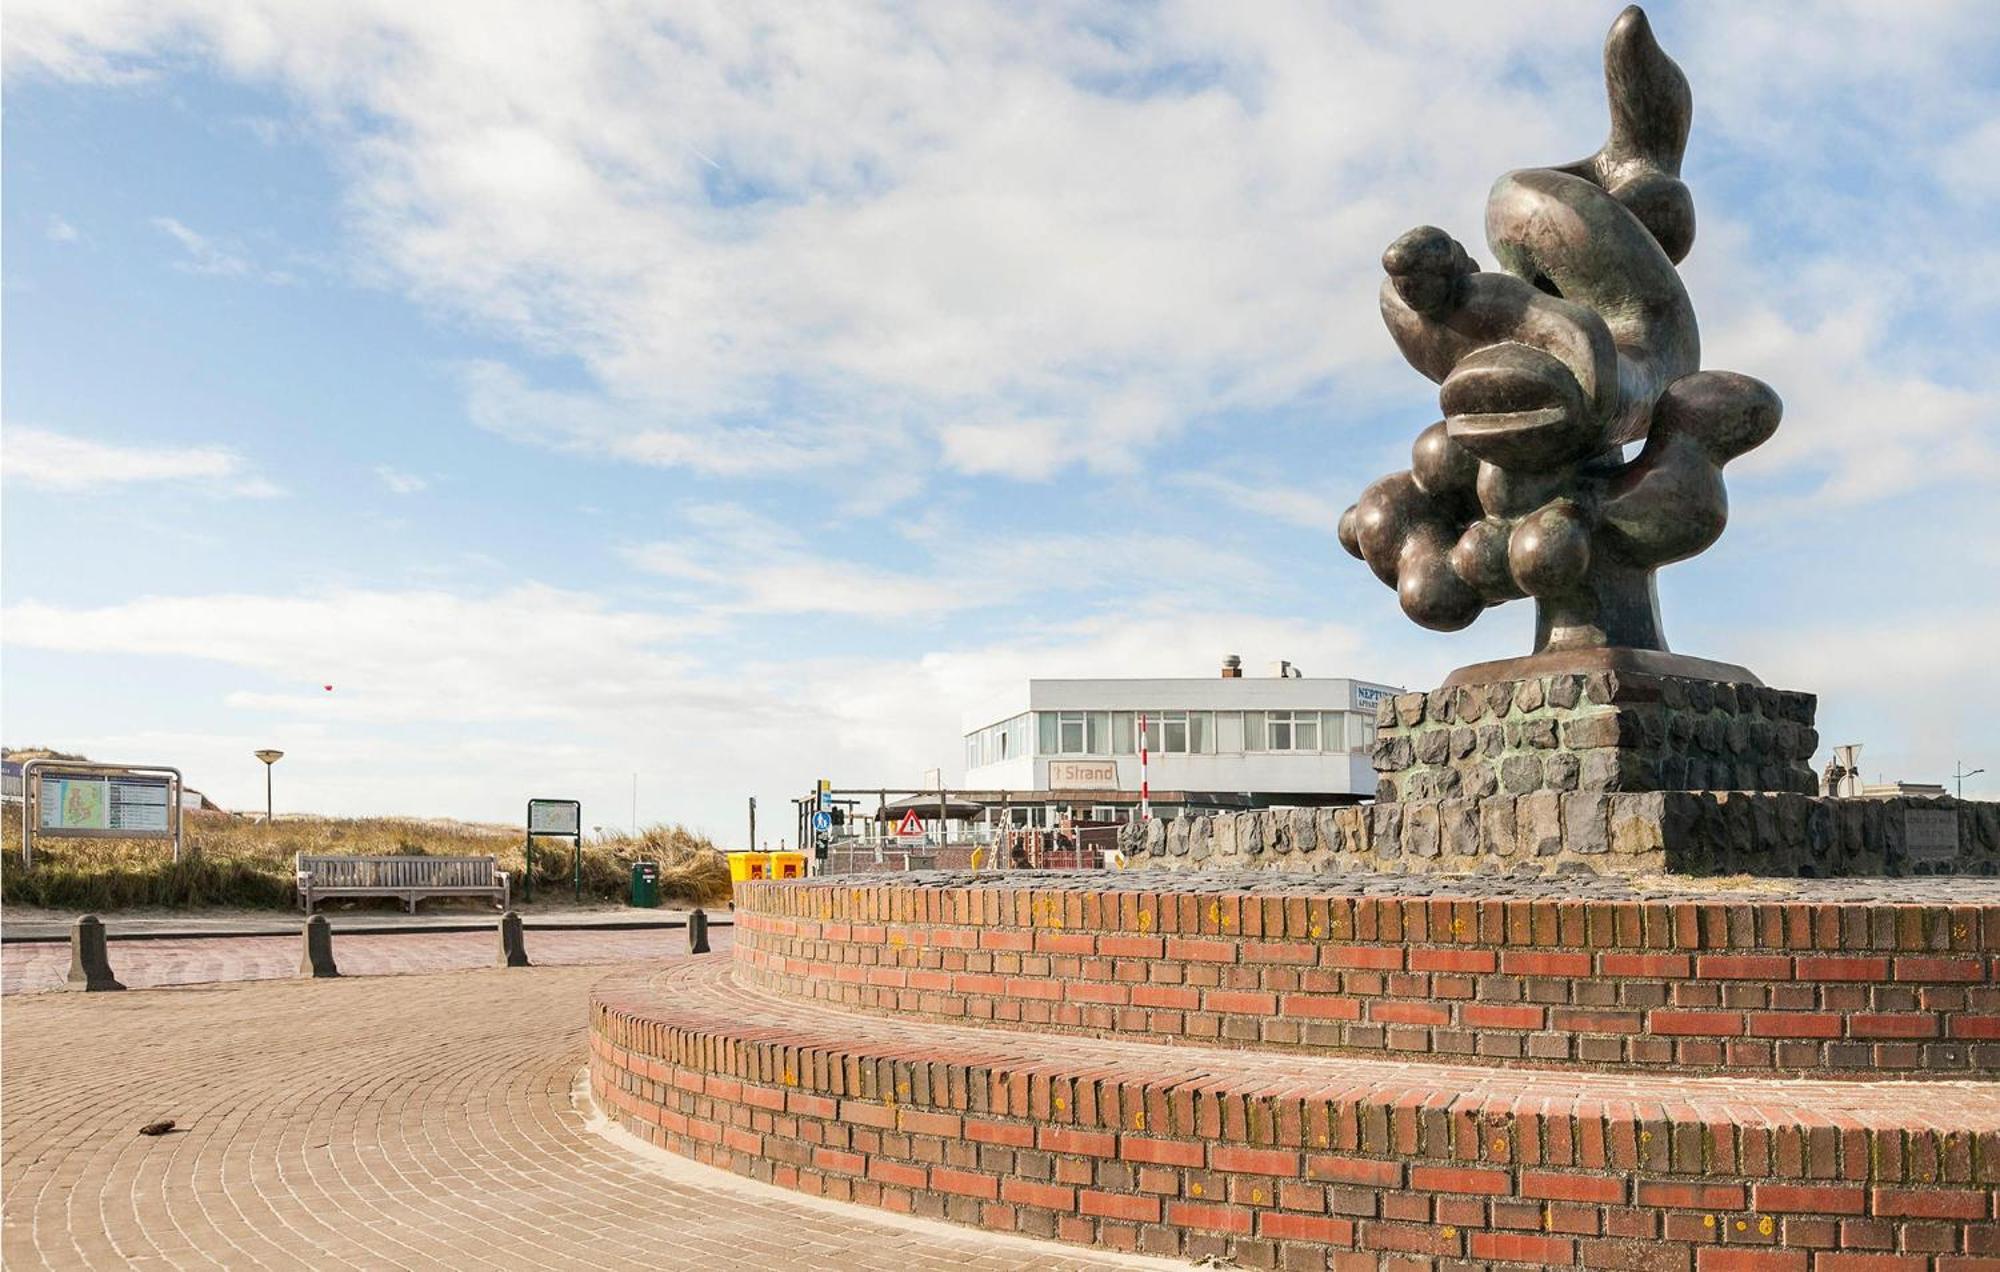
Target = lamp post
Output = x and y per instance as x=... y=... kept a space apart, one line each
x=1961 y=773
x=269 y=757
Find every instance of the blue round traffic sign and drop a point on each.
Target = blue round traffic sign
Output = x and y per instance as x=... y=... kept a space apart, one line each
x=822 y=820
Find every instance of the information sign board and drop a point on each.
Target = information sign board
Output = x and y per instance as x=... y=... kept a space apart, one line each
x=102 y=804
x=554 y=817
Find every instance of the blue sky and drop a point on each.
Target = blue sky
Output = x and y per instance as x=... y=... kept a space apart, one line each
x=733 y=396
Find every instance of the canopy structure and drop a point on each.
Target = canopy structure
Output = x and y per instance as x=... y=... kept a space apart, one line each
x=927 y=807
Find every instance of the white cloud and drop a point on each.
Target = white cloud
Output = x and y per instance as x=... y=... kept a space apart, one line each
x=529 y=653
x=1312 y=508
x=459 y=704
x=57 y=461
x=203 y=255
x=398 y=482
x=1034 y=238
x=500 y=401
x=1915 y=689
x=750 y=564
x=61 y=231
x=1023 y=237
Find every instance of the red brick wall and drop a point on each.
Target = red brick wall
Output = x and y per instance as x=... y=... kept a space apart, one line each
x=1726 y=986
x=1163 y=1155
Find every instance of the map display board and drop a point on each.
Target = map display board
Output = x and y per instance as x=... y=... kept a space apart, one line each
x=554 y=817
x=104 y=805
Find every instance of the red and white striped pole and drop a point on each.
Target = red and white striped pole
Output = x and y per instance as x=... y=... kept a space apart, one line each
x=1145 y=787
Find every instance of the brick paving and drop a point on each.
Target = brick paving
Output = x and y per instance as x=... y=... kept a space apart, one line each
x=199 y=960
x=422 y=1120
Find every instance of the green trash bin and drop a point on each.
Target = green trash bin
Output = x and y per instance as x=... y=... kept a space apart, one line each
x=646 y=883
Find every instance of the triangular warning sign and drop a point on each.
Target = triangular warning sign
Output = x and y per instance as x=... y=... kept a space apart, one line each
x=910 y=825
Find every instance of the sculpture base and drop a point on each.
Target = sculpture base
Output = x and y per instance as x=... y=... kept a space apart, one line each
x=1583 y=833
x=1645 y=662
x=1601 y=730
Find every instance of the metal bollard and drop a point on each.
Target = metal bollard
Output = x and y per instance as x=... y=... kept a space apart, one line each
x=89 y=959
x=697 y=931
x=513 y=945
x=318 y=957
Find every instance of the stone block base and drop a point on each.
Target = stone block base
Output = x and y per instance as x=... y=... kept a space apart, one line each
x=1591 y=832
x=1594 y=732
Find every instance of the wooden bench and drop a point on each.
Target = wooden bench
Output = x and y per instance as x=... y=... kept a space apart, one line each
x=411 y=878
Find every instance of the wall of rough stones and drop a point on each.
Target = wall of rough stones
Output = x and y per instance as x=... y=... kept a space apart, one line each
x=1605 y=731
x=1552 y=832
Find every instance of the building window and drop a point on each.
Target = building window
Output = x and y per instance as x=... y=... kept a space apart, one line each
x=1293 y=730
x=1201 y=733
x=1099 y=740
x=1253 y=731
x=1072 y=732
x=1046 y=742
x=1121 y=733
x=1360 y=731
x=1174 y=732
x=1279 y=730
x=1229 y=732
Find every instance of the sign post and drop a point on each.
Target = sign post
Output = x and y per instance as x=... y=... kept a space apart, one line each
x=556 y=819
x=75 y=799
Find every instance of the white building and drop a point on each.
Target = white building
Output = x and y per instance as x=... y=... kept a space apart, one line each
x=1232 y=740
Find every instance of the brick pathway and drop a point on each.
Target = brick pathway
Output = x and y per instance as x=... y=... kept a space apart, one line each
x=411 y=1121
x=200 y=960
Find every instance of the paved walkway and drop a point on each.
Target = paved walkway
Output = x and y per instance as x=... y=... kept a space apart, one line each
x=31 y=923
x=203 y=960
x=410 y=1121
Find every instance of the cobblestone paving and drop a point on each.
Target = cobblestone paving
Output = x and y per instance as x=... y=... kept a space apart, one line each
x=200 y=960
x=411 y=1121
x=1936 y=890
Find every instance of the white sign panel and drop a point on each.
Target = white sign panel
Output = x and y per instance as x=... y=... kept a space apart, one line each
x=554 y=817
x=1367 y=697
x=1083 y=775
x=77 y=804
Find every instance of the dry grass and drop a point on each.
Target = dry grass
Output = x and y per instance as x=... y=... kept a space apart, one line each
x=234 y=861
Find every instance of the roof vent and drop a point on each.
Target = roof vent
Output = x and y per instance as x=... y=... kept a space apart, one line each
x=1232 y=668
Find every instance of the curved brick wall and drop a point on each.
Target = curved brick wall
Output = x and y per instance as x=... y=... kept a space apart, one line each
x=1284 y=1160
x=1824 y=977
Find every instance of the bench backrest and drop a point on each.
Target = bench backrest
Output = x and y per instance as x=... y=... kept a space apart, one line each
x=401 y=872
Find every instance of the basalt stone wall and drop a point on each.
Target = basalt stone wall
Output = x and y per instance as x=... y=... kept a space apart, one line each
x=1605 y=731
x=1591 y=832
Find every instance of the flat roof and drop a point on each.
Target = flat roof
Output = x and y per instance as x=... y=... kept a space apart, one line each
x=1183 y=693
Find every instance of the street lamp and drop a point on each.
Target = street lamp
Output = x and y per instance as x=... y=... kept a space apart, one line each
x=269 y=757
x=1962 y=773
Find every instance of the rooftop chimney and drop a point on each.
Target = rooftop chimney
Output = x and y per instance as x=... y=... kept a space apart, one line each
x=1282 y=670
x=1232 y=668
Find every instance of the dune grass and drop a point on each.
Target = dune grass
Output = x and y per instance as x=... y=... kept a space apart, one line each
x=239 y=862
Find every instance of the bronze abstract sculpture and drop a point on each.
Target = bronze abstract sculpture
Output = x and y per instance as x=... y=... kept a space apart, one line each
x=1586 y=343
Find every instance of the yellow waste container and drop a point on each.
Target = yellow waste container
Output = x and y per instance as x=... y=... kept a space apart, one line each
x=766 y=865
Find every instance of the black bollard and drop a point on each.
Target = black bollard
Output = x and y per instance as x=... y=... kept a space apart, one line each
x=89 y=959
x=697 y=931
x=318 y=957
x=513 y=945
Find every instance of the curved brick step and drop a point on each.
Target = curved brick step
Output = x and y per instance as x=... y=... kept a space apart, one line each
x=1816 y=979
x=1270 y=1158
